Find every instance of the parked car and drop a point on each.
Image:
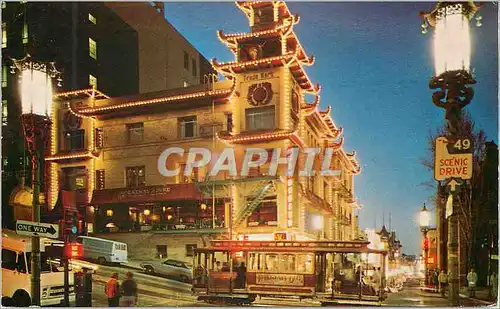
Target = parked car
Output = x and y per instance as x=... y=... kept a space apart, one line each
x=170 y=268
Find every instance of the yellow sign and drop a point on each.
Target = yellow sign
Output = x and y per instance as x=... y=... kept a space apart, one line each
x=279 y=236
x=280 y=279
x=452 y=165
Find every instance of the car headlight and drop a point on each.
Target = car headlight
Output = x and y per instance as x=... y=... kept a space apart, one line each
x=45 y=293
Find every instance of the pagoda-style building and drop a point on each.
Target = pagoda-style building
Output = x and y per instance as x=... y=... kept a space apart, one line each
x=107 y=150
x=270 y=110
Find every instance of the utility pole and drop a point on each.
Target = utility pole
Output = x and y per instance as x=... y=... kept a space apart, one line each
x=35 y=240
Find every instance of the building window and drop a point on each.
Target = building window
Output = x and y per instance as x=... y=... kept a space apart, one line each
x=4 y=35
x=229 y=122
x=135 y=133
x=194 y=70
x=265 y=214
x=75 y=139
x=186 y=61
x=92 y=19
x=99 y=140
x=190 y=249
x=92 y=48
x=93 y=81
x=260 y=118
x=161 y=251
x=4 y=76
x=25 y=34
x=186 y=84
x=4 y=112
x=136 y=176
x=74 y=178
x=187 y=127
x=100 y=178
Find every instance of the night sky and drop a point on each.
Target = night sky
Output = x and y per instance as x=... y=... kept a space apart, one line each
x=374 y=66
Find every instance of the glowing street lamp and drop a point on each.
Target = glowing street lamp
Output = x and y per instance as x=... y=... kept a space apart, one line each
x=36 y=100
x=425 y=221
x=452 y=52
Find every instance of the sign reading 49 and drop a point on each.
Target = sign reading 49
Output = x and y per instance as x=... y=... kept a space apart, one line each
x=460 y=145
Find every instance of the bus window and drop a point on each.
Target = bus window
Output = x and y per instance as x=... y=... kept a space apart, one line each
x=21 y=263
x=305 y=263
x=271 y=262
x=287 y=263
x=45 y=262
x=255 y=261
x=9 y=259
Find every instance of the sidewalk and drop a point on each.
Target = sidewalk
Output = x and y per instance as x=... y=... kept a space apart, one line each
x=482 y=294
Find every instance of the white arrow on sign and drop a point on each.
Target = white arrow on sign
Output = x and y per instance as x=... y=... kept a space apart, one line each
x=30 y=228
x=453 y=183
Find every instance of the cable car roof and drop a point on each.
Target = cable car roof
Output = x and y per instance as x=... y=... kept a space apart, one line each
x=355 y=246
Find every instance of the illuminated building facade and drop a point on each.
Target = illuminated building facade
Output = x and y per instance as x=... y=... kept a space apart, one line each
x=94 y=45
x=262 y=103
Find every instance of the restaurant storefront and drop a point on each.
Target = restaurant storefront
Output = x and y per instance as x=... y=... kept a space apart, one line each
x=168 y=207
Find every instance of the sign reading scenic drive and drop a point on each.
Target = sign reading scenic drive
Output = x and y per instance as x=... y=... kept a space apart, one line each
x=29 y=228
x=453 y=159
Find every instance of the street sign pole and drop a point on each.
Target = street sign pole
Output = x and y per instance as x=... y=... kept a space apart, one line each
x=453 y=276
x=35 y=240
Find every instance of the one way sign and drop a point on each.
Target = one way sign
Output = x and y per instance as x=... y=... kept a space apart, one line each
x=37 y=229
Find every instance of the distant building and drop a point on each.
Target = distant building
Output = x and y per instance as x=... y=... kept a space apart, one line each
x=166 y=59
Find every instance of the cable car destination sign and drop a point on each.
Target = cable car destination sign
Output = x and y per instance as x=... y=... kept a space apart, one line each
x=453 y=158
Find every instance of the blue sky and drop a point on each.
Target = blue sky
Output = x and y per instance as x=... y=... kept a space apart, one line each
x=374 y=66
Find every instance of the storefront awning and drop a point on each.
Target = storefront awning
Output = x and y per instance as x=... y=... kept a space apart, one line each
x=181 y=191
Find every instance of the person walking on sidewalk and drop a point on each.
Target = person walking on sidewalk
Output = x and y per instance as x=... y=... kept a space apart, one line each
x=112 y=290
x=494 y=284
x=443 y=282
x=129 y=291
x=472 y=280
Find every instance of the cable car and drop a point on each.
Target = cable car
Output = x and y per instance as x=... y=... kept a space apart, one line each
x=330 y=272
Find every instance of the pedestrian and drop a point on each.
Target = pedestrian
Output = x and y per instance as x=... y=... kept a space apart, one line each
x=129 y=291
x=112 y=290
x=376 y=281
x=435 y=279
x=218 y=266
x=472 y=280
x=443 y=282
x=241 y=275
x=494 y=284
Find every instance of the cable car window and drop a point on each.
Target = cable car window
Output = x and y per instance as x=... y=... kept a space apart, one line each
x=255 y=261
x=287 y=263
x=271 y=262
x=305 y=263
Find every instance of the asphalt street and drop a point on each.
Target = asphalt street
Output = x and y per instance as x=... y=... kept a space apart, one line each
x=160 y=292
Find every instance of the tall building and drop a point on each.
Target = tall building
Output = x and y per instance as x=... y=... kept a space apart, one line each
x=117 y=165
x=166 y=59
x=93 y=46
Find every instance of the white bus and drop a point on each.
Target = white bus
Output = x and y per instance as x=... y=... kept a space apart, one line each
x=16 y=270
x=103 y=250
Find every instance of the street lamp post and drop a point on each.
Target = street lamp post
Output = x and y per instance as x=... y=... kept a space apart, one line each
x=424 y=227
x=452 y=49
x=36 y=100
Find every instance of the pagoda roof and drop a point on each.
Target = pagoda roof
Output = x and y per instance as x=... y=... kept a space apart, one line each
x=153 y=99
x=290 y=59
x=254 y=137
x=285 y=28
x=384 y=232
x=89 y=92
